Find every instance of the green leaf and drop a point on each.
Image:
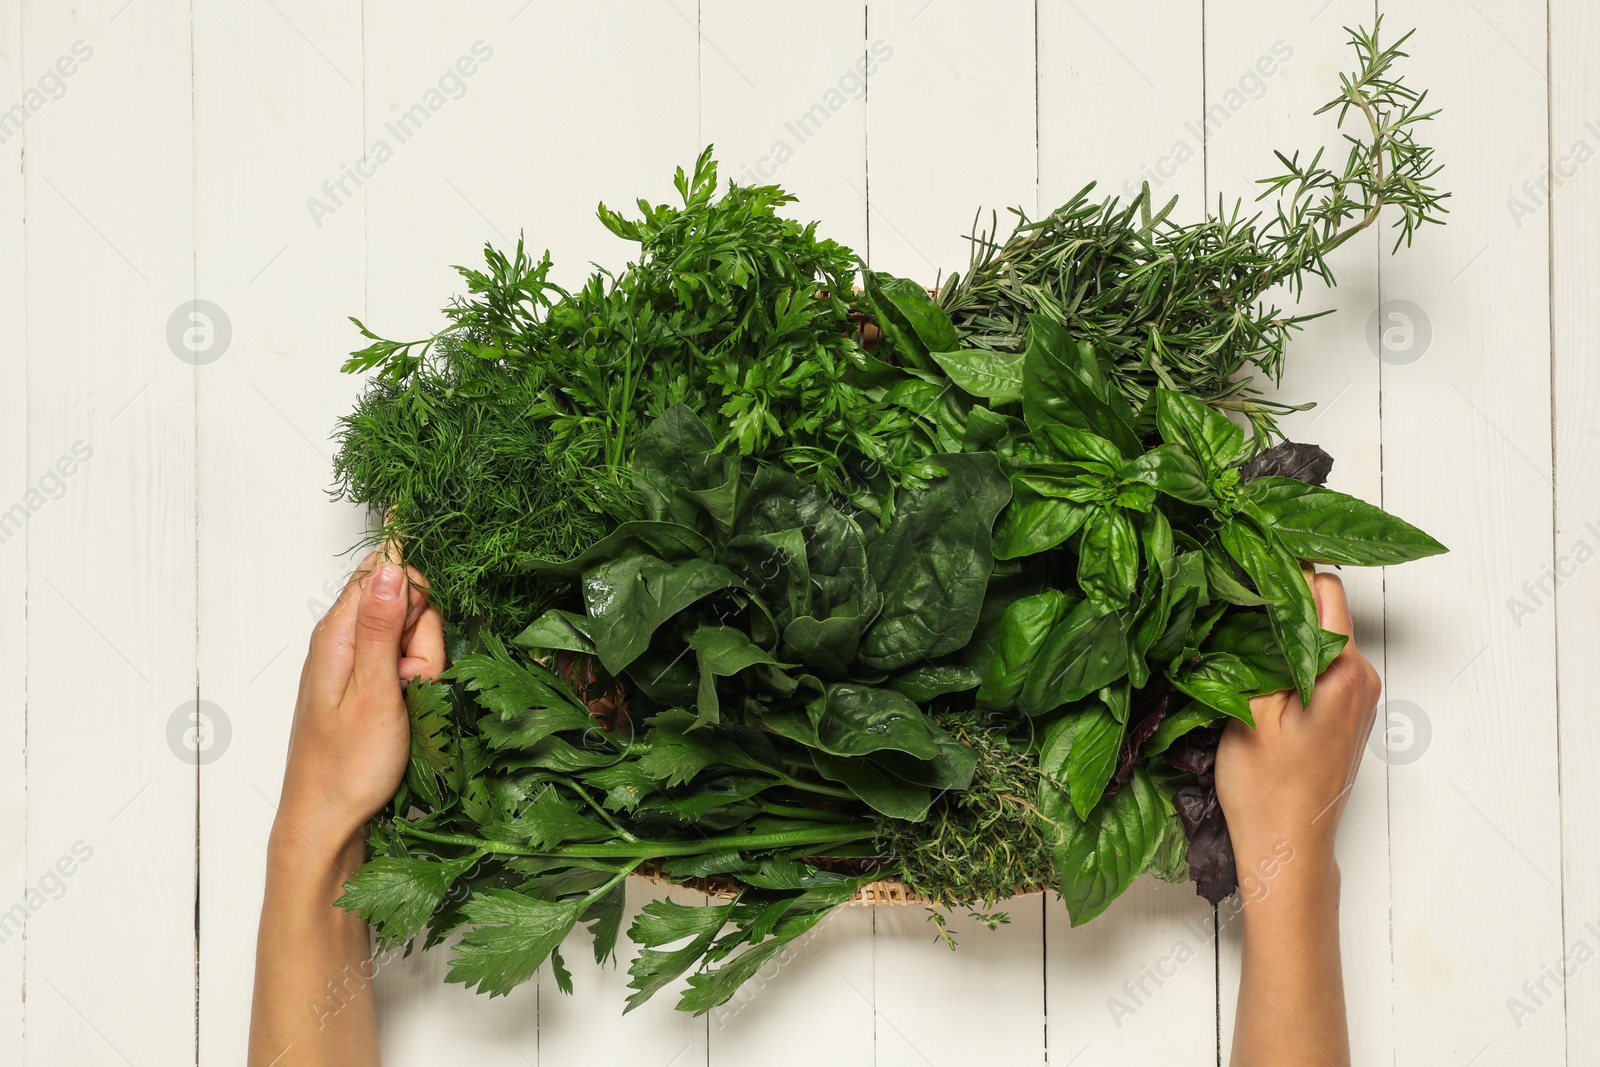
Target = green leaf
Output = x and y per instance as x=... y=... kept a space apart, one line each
x=1085 y=651
x=923 y=684
x=676 y=752
x=630 y=598
x=1290 y=606
x=1096 y=744
x=1186 y=719
x=1208 y=434
x=1322 y=526
x=557 y=629
x=1098 y=858
x=1217 y=695
x=912 y=324
x=397 y=895
x=1023 y=629
x=662 y=922
x=1062 y=384
x=513 y=936
x=932 y=564
x=854 y=720
x=986 y=374
x=1170 y=470
x=721 y=652
x=1108 y=559
x=1034 y=524
x=885 y=793
x=526 y=702
x=1081 y=446
x=428 y=707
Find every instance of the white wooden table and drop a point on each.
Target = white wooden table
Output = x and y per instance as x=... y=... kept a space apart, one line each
x=165 y=536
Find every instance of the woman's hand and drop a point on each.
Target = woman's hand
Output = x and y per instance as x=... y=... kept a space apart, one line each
x=348 y=750
x=351 y=737
x=1283 y=787
x=1287 y=780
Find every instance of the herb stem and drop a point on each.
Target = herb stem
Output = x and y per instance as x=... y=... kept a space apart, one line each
x=643 y=850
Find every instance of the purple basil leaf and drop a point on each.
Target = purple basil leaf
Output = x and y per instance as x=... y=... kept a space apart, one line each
x=1138 y=734
x=1210 y=847
x=1195 y=753
x=1306 y=463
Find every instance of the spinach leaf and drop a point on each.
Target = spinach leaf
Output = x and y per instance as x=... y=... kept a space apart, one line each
x=933 y=562
x=630 y=598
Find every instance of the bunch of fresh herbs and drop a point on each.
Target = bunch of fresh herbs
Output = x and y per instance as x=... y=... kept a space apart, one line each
x=967 y=610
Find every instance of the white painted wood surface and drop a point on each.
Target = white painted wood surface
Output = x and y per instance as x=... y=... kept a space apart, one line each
x=191 y=546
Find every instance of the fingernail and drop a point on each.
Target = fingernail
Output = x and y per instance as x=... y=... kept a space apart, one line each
x=386 y=582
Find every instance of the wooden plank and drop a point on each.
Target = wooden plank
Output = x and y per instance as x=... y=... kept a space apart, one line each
x=552 y=121
x=1571 y=218
x=1138 y=984
x=1466 y=445
x=951 y=126
x=15 y=478
x=278 y=112
x=111 y=562
x=1266 y=74
x=783 y=97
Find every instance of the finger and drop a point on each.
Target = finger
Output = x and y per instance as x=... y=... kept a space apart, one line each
x=417 y=597
x=1333 y=610
x=423 y=649
x=380 y=621
x=332 y=653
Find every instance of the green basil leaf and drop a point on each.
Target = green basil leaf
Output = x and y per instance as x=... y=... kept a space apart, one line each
x=1108 y=559
x=1034 y=524
x=1023 y=629
x=1322 y=526
x=1098 y=858
x=1085 y=651
x=1290 y=606
x=1191 y=422
x=912 y=324
x=1062 y=385
x=1080 y=446
x=987 y=375
x=1095 y=746
x=1186 y=719
x=1171 y=470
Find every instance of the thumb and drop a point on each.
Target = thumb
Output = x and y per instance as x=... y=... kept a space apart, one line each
x=380 y=622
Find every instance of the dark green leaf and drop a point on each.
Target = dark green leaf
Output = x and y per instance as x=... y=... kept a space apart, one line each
x=1023 y=629
x=1322 y=526
x=1085 y=651
x=1097 y=858
x=1108 y=559
x=932 y=564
